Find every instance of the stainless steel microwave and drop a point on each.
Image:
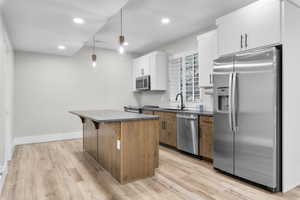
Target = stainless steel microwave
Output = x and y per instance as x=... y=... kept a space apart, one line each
x=142 y=83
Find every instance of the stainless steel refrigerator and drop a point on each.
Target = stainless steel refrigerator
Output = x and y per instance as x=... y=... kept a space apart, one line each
x=247 y=124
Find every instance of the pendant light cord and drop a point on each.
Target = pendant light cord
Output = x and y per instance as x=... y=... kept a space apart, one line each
x=94 y=44
x=121 y=21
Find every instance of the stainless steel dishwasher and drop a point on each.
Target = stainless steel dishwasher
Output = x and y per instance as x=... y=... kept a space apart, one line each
x=187 y=133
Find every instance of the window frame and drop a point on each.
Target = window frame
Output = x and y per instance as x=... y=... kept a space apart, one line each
x=183 y=56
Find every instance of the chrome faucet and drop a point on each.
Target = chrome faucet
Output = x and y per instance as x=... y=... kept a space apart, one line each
x=182 y=106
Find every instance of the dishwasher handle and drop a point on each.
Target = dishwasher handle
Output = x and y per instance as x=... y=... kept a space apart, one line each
x=188 y=117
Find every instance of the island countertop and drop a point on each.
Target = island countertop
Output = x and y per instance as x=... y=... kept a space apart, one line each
x=112 y=115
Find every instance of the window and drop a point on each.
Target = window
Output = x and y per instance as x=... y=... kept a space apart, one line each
x=184 y=77
x=175 y=77
x=192 y=89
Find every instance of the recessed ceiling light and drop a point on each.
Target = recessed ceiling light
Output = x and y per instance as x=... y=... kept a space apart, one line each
x=78 y=20
x=126 y=44
x=61 y=47
x=165 y=20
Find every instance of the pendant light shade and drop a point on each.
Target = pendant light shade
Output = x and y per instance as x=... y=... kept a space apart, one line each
x=94 y=60
x=94 y=56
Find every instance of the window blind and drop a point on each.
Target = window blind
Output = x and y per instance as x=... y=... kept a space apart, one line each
x=192 y=89
x=175 y=77
x=184 y=77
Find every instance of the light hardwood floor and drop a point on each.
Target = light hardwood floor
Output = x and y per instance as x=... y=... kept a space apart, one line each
x=60 y=170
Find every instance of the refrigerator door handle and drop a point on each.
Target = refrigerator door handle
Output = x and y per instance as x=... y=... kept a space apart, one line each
x=233 y=98
x=230 y=102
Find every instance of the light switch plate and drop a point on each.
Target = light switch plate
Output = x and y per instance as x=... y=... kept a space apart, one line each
x=118 y=144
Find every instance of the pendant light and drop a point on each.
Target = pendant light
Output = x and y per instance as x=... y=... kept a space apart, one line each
x=94 y=57
x=121 y=37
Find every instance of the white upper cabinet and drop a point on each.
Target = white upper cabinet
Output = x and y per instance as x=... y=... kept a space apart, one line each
x=155 y=65
x=256 y=25
x=229 y=34
x=158 y=71
x=207 y=49
x=142 y=66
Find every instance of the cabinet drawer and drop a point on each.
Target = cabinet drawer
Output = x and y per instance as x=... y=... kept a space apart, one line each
x=170 y=116
x=206 y=120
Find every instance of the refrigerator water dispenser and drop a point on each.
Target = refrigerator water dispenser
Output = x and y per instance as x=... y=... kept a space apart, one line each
x=223 y=99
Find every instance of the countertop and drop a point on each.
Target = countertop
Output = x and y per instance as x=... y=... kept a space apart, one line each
x=112 y=115
x=204 y=113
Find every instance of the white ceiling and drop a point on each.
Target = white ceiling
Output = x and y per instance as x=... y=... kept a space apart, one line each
x=42 y=25
x=143 y=29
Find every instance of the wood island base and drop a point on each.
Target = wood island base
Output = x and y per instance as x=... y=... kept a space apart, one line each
x=128 y=150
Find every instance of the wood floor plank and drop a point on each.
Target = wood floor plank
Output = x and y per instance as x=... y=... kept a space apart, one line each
x=61 y=171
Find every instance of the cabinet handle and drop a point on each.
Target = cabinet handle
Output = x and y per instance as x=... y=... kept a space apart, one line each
x=210 y=79
x=242 y=38
x=246 y=40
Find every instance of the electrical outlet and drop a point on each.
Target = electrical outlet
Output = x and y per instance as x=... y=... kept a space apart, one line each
x=118 y=144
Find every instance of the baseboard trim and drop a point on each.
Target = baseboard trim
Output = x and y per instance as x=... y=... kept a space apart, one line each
x=46 y=138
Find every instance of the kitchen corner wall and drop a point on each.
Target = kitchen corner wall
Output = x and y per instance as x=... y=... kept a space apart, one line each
x=48 y=86
x=6 y=95
x=185 y=44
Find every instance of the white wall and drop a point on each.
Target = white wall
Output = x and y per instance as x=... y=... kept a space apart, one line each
x=48 y=86
x=291 y=97
x=6 y=95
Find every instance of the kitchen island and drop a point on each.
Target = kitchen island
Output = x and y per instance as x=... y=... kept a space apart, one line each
x=125 y=144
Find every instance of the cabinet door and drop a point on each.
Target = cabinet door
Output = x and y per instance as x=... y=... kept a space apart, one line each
x=170 y=128
x=162 y=130
x=144 y=68
x=229 y=34
x=206 y=137
x=207 y=49
x=263 y=23
x=141 y=66
x=256 y=25
x=136 y=67
x=158 y=71
x=109 y=156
